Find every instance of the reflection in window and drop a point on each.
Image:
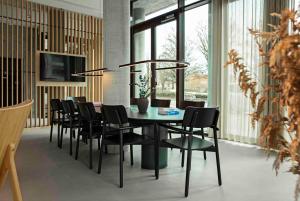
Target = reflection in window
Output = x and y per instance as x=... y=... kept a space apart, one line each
x=196 y=53
x=166 y=49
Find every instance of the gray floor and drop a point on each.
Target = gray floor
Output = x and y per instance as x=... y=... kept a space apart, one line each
x=50 y=174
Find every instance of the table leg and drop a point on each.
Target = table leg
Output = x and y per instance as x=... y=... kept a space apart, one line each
x=149 y=152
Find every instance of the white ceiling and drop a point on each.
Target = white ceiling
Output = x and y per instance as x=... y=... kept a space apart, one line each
x=89 y=7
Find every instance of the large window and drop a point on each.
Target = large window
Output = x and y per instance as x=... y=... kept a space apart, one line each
x=162 y=31
x=196 y=53
x=166 y=49
x=142 y=51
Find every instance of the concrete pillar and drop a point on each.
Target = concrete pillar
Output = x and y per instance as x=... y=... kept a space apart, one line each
x=139 y=44
x=116 y=26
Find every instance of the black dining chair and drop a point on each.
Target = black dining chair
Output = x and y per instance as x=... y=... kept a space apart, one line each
x=69 y=120
x=160 y=103
x=184 y=105
x=55 y=109
x=196 y=117
x=79 y=99
x=118 y=131
x=91 y=128
x=133 y=101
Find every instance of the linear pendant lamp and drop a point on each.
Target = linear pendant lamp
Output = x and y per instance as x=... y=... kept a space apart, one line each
x=90 y=73
x=177 y=64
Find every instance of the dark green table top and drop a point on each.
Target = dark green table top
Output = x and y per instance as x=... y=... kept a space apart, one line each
x=152 y=116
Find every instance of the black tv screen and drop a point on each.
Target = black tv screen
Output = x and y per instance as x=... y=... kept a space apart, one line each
x=59 y=68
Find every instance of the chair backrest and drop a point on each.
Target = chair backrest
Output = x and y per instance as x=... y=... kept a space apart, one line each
x=133 y=101
x=160 y=103
x=87 y=111
x=197 y=117
x=68 y=107
x=55 y=105
x=79 y=99
x=114 y=114
x=185 y=104
x=12 y=122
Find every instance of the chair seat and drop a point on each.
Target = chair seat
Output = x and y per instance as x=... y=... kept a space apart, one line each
x=75 y=124
x=128 y=138
x=197 y=131
x=197 y=143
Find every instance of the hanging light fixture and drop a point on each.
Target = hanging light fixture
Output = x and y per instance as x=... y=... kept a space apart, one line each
x=177 y=64
x=90 y=73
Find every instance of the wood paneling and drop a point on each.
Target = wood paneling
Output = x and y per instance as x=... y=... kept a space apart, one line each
x=27 y=28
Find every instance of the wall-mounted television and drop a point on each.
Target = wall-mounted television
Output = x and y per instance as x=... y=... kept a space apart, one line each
x=59 y=68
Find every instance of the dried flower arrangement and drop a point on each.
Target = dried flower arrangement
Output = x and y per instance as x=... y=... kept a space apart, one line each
x=280 y=52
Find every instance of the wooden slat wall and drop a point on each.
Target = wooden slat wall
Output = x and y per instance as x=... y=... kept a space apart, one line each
x=27 y=27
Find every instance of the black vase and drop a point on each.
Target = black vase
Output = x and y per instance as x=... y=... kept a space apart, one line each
x=142 y=104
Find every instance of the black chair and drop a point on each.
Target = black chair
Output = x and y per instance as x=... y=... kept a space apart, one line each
x=91 y=128
x=133 y=101
x=55 y=109
x=79 y=99
x=118 y=131
x=195 y=117
x=184 y=105
x=69 y=120
x=160 y=103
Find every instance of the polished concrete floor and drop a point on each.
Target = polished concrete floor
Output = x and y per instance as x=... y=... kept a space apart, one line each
x=51 y=174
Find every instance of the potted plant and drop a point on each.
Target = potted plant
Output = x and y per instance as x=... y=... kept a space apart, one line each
x=144 y=93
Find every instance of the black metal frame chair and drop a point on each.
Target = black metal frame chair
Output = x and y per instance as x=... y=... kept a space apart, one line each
x=69 y=120
x=160 y=102
x=55 y=109
x=79 y=99
x=117 y=130
x=196 y=117
x=184 y=105
x=91 y=128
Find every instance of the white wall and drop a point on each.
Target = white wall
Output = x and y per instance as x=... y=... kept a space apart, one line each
x=89 y=7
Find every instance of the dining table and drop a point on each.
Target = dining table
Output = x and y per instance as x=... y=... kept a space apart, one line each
x=150 y=127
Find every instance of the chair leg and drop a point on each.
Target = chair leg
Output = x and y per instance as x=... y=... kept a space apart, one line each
x=182 y=157
x=121 y=161
x=123 y=155
x=61 y=137
x=131 y=154
x=218 y=168
x=77 y=145
x=188 y=170
x=170 y=137
x=51 y=130
x=99 y=146
x=71 y=141
x=100 y=156
x=58 y=134
x=204 y=152
x=156 y=151
x=106 y=149
x=91 y=152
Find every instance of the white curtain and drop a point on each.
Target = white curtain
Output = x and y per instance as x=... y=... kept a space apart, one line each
x=241 y=15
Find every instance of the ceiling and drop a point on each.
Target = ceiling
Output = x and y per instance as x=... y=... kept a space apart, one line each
x=89 y=7
x=152 y=6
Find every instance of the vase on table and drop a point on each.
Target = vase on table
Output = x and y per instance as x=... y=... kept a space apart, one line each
x=142 y=104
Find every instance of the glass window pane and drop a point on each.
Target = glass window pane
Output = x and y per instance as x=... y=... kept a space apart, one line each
x=166 y=49
x=196 y=53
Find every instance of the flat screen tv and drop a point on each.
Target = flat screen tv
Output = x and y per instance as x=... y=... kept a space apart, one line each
x=59 y=68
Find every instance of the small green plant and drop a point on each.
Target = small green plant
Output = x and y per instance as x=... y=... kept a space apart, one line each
x=144 y=86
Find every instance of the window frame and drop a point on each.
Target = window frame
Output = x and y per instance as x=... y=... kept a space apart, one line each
x=174 y=15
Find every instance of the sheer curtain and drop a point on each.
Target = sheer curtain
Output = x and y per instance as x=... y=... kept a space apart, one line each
x=241 y=15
